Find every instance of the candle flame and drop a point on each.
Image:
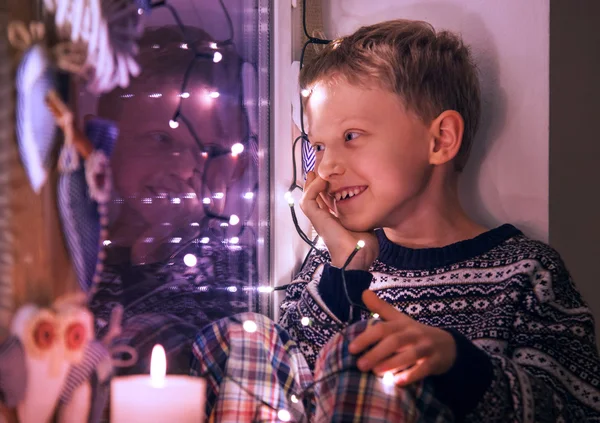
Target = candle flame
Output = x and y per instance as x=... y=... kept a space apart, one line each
x=158 y=365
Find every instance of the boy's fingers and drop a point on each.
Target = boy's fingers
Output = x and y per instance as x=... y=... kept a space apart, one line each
x=385 y=350
x=385 y=310
x=321 y=203
x=327 y=200
x=418 y=372
x=312 y=189
x=371 y=335
x=400 y=361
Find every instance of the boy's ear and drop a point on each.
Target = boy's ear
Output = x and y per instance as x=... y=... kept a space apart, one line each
x=446 y=133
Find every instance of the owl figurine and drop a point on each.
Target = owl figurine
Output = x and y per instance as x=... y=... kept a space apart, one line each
x=66 y=371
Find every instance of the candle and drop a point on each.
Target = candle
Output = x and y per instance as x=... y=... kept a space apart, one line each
x=157 y=398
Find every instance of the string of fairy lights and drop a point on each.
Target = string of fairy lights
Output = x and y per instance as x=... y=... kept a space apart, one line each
x=245 y=149
x=212 y=152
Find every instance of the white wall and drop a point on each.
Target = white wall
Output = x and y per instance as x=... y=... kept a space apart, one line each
x=506 y=179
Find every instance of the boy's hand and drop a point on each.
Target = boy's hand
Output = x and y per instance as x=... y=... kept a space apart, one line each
x=402 y=345
x=317 y=206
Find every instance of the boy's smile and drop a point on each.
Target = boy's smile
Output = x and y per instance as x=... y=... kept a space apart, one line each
x=347 y=193
x=372 y=152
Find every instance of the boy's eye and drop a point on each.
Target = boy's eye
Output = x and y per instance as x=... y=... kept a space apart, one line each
x=317 y=148
x=349 y=136
x=161 y=139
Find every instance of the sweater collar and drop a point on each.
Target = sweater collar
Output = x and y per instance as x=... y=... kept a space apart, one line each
x=430 y=258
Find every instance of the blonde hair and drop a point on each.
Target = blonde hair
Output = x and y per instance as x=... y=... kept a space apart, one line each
x=430 y=71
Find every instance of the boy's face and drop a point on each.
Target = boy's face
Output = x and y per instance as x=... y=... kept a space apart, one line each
x=157 y=169
x=369 y=145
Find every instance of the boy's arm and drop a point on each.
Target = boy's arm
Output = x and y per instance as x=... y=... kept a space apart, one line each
x=552 y=369
x=324 y=312
x=330 y=286
x=311 y=268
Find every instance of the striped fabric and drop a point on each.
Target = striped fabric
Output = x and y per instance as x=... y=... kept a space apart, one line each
x=35 y=125
x=96 y=355
x=12 y=369
x=308 y=157
x=96 y=369
x=78 y=212
x=262 y=376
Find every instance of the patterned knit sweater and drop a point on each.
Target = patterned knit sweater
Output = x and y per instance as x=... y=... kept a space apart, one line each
x=526 y=350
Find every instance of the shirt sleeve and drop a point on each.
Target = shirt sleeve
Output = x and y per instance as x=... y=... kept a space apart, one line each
x=309 y=318
x=551 y=370
x=337 y=297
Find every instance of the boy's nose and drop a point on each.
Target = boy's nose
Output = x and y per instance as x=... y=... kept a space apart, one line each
x=329 y=165
x=184 y=162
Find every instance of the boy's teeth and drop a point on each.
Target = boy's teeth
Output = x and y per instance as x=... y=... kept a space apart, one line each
x=342 y=195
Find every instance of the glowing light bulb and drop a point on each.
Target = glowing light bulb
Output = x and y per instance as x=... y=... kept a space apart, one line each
x=265 y=289
x=218 y=195
x=305 y=321
x=237 y=148
x=217 y=57
x=184 y=46
x=250 y=326
x=289 y=198
x=284 y=415
x=375 y=316
x=360 y=244
x=305 y=92
x=234 y=220
x=175 y=240
x=294 y=399
x=155 y=95
x=158 y=366
x=106 y=242
x=140 y=11
x=176 y=200
x=388 y=379
x=234 y=240
x=205 y=240
x=184 y=95
x=214 y=94
x=232 y=289
x=206 y=200
x=190 y=260
x=213 y=45
x=249 y=195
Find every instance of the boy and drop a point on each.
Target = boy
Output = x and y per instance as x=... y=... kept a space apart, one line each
x=157 y=164
x=157 y=171
x=474 y=324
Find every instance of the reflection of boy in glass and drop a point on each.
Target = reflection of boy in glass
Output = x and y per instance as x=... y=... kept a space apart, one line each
x=157 y=172
x=157 y=169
